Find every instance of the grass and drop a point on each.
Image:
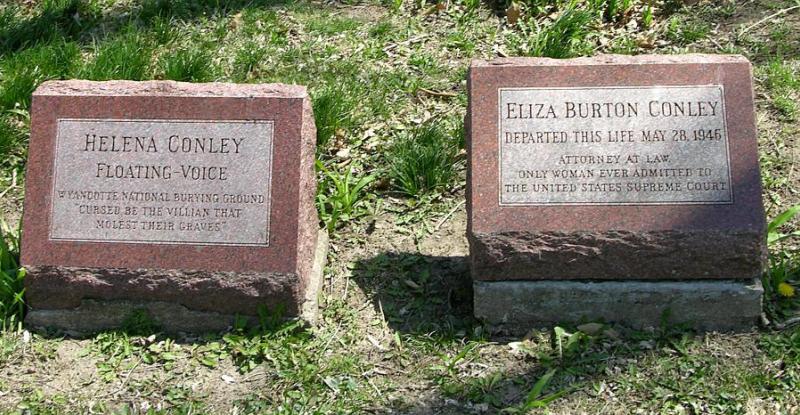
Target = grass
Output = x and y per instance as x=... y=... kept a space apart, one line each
x=21 y=73
x=342 y=197
x=424 y=159
x=780 y=286
x=783 y=82
x=127 y=56
x=564 y=37
x=333 y=113
x=396 y=332
x=325 y=25
x=11 y=138
x=188 y=65
x=784 y=275
x=12 y=305
x=685 y=32
x=248 y=60
x=615 y=10
x=54 y=19
x=286 y=349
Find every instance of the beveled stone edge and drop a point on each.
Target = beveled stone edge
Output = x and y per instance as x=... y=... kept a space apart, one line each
x=612 y=59
x=740 y=299
x=81 y=87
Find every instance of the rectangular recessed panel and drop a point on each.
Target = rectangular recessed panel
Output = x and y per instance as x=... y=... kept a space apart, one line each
x=613 y=145
x=162 y=181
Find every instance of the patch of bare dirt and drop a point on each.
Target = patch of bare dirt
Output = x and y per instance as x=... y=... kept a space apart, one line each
x=11 y=206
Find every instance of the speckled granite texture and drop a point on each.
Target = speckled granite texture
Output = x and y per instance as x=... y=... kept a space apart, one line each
x=666 y=241
x=202 y=278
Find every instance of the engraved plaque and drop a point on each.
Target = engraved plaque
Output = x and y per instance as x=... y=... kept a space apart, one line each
x=162 y=181
x=613 y=145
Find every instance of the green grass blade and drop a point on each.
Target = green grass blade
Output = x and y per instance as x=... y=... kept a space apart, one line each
x=782 y=218
x=532 y=399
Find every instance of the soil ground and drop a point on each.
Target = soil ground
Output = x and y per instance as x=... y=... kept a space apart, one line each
x=397 y=333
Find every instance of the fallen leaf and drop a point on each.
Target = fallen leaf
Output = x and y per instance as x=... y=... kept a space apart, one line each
x=611 y=333
x=590 y=328
x=412 y=284
x=376 y=343
x=513 y=13
x=343 y=153
x=236 y=22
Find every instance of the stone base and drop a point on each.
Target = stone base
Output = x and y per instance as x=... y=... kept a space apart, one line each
x=95 y=315
x=515 y=307
x=676 y=255
x=309 y=310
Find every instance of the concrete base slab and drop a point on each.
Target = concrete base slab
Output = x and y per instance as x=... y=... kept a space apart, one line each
x=515 y=307
x=309 y=310
x=97 y=315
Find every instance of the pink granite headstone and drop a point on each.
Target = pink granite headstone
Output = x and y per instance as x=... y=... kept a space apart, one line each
x=193 y=202
x=614 y=169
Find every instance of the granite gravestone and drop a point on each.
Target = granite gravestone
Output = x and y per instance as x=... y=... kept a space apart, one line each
x=614 y=188
x=193 y=202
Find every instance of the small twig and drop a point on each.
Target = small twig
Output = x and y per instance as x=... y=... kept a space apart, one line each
x=768 y=18
x=364 y=306
x=380 y=395
x=13 y=183
x=383 y=316
x=714 y=41
x=438 y=94
x=124 y=382
x=335 y=334
x=446 y=217
x=254 y=376
x=788 y=323
x=405 y=42
x=331 y=281
x=346 y=287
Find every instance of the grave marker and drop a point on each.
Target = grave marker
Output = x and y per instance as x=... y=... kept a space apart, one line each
x=615 y=188
x=194 y=202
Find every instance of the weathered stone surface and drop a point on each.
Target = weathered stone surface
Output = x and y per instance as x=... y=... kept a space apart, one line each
x=163 y=181
x=226 y=292
x=177 y=301
x=518 y=306
x=263 y=257
x=613 y=145
x=680 y=235
x=617 y=255
x=97 y=315
x=309 y=307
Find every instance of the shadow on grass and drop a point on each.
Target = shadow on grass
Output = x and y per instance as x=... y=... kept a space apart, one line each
x=428 y=301
x=79 y=21
x=420 y=294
